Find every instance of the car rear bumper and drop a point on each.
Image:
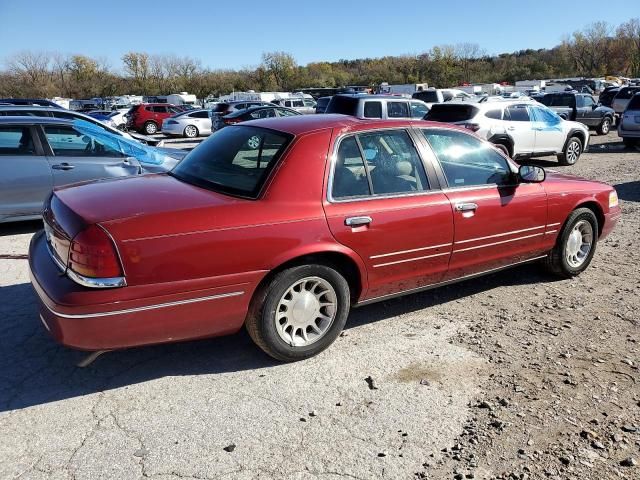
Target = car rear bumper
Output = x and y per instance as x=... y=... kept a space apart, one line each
x=91 y=319
x=626 y=133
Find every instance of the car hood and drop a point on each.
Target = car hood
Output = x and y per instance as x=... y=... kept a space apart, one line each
x=554 y=176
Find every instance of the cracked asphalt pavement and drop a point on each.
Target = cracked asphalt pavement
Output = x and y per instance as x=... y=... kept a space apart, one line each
x=221 y=409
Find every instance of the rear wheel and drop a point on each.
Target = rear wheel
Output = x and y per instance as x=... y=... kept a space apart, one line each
x=571 y=152
x=190 y=131
x=150 y=128
x=605 y=126
x=299 y=312
x=576 y=244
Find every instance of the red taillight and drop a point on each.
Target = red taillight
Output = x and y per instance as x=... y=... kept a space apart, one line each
x=231 y=121
x=94 y=255
x=474 y=127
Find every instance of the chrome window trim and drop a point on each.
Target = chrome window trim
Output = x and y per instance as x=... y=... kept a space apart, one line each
x=332 y=168
x=142 y=309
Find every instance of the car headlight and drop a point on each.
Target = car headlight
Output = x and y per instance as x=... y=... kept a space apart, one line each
x=613 y=199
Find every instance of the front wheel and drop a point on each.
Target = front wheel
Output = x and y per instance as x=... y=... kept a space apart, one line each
x=571 y=152
x=605 y=126
x=299 y=312
x=576 y=244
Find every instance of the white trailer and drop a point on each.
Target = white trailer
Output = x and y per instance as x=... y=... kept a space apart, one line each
x=406 y=89
x=182 y=98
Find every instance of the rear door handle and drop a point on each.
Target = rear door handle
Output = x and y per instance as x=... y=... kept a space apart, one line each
x=357 y=221
x=466 y=207
x=63 y=166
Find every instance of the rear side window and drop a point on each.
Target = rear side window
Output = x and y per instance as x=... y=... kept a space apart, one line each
x=201 y=114
x=451 y=113
x=398 y=110
x=234 y=160
x=378 y=163
x=495 y=114
x=418 y=110
x=372 y=109
x=466 y=160
x=16 y=141
x=517 y=113
x=634 y=104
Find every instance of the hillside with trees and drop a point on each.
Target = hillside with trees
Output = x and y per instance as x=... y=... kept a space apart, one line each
x=597 y=50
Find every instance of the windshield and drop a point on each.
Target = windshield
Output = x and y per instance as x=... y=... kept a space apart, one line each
x=342 y=104
x=234 y=160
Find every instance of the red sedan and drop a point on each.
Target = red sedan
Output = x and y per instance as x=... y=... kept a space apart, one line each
x=282 y=225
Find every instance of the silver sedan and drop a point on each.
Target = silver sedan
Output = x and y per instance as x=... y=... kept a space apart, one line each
x=190 y=124
x=39 y=154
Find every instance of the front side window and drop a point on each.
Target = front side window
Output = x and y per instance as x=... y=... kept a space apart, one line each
x=378 y=163
x=286 y=113
x=263 y=113
x=234 y=160
x=16 y=141
x=397 y=110
x=589 y=102
x=517 y=113
x=466 y=160
x=372 y=110
x=69 y=142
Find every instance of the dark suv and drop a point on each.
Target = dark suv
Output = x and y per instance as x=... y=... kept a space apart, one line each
x=580 y=107
x=147 y=117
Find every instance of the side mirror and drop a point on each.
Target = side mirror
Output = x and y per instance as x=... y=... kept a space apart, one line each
x=531 y=174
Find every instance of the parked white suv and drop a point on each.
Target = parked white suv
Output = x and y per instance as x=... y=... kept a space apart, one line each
x=521 y=129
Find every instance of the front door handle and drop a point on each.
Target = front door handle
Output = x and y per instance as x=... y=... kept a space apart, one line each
x=466 y=207
x=357 y=221
x=63 y=166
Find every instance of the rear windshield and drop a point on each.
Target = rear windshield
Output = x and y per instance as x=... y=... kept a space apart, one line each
x=451 y=113
x=558 y=100
x=234 y=160
x=634 y=104
x=343 y=105
x=429 y=96
x=627 y=92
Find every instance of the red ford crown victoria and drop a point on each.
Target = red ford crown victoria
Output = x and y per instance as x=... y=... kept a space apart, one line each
x=281 y=225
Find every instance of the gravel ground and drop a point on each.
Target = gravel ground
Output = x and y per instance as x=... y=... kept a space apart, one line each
x=515 y=375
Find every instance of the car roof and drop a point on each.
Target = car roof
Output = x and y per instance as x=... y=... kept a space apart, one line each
x=239 y=113
x=31 y=120
x=369 y=96
x=33 y=107
x=303 y=124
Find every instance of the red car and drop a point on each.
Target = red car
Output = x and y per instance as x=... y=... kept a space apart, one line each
x=282 y=225
x=147 y=117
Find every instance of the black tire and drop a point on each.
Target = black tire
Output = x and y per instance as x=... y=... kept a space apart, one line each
x=568 y=155
x=629 y=142
x=503 y=148
x=261 y=318
x=605 y=127
x=150 y=128
x=556 y=262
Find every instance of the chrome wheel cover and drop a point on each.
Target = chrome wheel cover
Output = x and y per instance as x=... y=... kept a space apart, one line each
x=306 y=311
x=190 y=131
x=605 y=126
x=579 y=244
x=573 y=152
x=151 y=128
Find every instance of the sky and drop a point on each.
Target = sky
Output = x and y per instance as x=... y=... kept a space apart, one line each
x=224 y=34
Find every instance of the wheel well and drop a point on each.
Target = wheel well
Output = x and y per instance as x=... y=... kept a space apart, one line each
x=597 y=211
x=338 y=261
x=580 y=135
